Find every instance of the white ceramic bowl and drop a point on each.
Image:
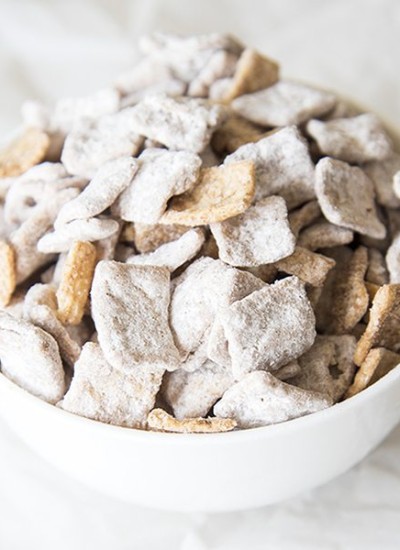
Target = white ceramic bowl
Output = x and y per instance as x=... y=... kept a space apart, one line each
x=207 y=472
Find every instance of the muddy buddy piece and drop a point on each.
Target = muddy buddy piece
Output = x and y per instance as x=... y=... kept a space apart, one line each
x=284 y=103
x=178 y=123
x=377 y=363
x=102 y=392
x=173 y=254
x=162 y=174
x=383 y=325
x=261 y=235
x=346 y=197
x=159 y=420
x=328 y=366
x=221 y=193
x=42 y=372
x=192 y=394
x=260 y=399
x=270 y=327
x=24 y=152
x=130 y=312
x=355 y=140
x=283 y=166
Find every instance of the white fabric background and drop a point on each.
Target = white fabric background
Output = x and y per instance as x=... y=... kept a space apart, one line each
x=54 y=48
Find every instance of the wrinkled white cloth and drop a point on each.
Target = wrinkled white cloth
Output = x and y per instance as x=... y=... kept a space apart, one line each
x=59 y=48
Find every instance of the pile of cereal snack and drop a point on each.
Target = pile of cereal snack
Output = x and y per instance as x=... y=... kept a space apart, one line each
x=200 y=247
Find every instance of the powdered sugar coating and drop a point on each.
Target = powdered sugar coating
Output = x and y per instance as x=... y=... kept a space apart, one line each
x=284 y=103
x=260 y=235
x=90 y=146
x=270 y=327
x=174 y=254
x=283 y=166
x=40 y=307
x=102 y=392
x=201 y=291
x=192 y=394
x=221 y=64
x=91 y=230
x=355 y=140
x=346 y=196
x=109 y=182
x=42 y=372
x=178 y=123
x=382 y=174
x=162 y=174
x=71 y=111
x=309 y=267
x=328 y=366
x=25 y=239
x=130 y=312
x=260 y=399
x=324 y=235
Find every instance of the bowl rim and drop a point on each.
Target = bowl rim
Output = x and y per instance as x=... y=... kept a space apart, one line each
x=234 y=436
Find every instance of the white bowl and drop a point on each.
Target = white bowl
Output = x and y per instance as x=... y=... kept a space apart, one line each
x=207 y=472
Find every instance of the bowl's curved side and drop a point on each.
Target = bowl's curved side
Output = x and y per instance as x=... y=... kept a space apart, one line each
x=218 y=472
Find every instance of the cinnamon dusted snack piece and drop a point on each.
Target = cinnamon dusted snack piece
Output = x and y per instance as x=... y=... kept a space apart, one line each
x=253 y=72
x=192 y=394
x=377 y=272
x=221 y=192
x=75 y=282
x=40 y=308
x=217 y=344
x=24 y=152
x=7 y=273
x=130 y=312
x=148 y=237
x=270 y=327
x=186 y=56
x=109 y=182
x=173 y=254
x=69 y=112
x=25 y=239
x=288 y=371
x=205 y=288
x=42 y=373
x=161 y=175
x=309 y=267
x=34 y=188
x=382 y=174
x=261 y=235
x=328 y=366
x=89 y=146
x=344 y=299
x=304 y=216
x=178 y=123
x=346 y=197
x=284 y=103
x=234 y=132
x=104 y=393
x=355 y=140
x=161 y=421
x=324 y=235
x=383 y=325
x=283 y=166
x=221 y=64
x=377 y=364
x=260 y=399
x=90 y=230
